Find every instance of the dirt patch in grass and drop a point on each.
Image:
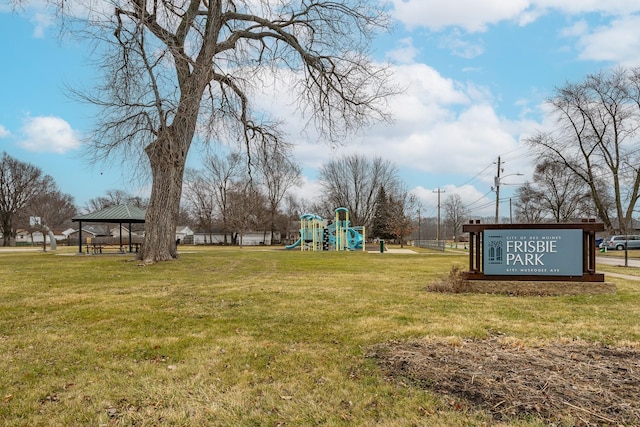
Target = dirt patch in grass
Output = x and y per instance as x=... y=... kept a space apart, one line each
x=564 y=384
x=456 y=282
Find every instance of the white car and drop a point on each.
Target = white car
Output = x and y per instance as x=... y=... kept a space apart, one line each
x=618 y=243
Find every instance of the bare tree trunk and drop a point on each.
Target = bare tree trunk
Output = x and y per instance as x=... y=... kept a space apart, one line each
x=7 y=229
x=167 y=159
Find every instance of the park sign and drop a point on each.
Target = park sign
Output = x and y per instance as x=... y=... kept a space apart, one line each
x=555 y=252
x=536 y=252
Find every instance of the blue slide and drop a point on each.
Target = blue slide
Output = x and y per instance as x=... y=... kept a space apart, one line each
x=354 y=239
x=294 y=245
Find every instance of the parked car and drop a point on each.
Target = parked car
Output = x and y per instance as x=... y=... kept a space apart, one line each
x=619 y=242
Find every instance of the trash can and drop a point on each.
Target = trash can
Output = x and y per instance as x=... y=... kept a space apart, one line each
x=381 y=246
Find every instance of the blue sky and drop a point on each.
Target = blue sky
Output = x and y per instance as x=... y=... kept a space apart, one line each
x=476 y=73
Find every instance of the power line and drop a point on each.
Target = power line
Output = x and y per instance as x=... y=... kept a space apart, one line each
x=486 y=205
x=476 y=175
x=481 y=197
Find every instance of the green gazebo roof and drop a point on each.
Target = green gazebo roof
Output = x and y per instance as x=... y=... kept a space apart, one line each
x=119 y=213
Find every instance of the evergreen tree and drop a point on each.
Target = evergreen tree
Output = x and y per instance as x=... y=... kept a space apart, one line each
x=379 y=227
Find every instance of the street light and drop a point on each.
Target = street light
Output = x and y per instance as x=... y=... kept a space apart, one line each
x=497 y=182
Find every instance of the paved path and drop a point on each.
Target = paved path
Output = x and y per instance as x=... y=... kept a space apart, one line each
x=632 y=262
x=621 y=276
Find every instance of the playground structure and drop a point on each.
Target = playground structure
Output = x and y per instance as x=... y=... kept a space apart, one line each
x=315 y=235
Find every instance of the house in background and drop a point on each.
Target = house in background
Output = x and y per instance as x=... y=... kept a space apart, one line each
x=72 y=235
x=26 y=237
x=117 y=231
x=250 y=238
x=184 y=235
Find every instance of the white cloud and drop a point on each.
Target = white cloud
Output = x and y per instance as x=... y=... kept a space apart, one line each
x=577 y=29
x=49 y=134
x=617 y=42
x=441 y=127
x=609 y=7
x=476 y=16
x=461 y=47
x=428 y=86
x=457 y=145
x=307 y=192
x=405 y=53
x=4 y=132
x=472 y=15
x=43 y=13
x=41 y=21
x=529 y=16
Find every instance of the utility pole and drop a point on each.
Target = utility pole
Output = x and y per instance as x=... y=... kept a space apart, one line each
x=438 y=229
x=419 y=225
x=497 y=184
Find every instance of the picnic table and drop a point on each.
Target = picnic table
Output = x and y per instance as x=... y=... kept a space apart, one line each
x=98 y=248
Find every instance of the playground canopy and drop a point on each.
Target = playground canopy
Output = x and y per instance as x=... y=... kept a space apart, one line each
x=120 y=214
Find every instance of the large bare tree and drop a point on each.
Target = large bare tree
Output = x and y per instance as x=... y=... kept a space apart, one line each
x=114 y=197
x=176 y=70
x=199 y=195
x=596 y=138
x=278 y=174
x=52 y=208
x=354 y=182
x=528 y=209
x=247 y=210
x=20 y=184
x=207 y=191
x=455 y=213
x=560 y=194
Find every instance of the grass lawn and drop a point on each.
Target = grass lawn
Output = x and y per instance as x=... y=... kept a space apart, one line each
x=250 y=337
x=631 y=253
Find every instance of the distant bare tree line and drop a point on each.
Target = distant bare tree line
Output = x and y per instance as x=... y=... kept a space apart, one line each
x=29 y=200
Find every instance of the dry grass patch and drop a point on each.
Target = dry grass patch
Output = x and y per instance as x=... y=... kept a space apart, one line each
x=568 y=384
x=456 y=282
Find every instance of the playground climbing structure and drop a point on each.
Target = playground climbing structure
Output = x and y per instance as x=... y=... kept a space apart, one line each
x=338 y=236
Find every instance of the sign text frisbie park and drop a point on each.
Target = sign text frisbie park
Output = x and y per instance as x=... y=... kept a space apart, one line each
x=533 y=252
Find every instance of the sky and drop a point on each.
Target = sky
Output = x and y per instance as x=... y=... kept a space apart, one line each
x=476 y=73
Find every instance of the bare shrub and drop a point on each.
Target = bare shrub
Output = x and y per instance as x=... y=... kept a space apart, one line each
x=455 y=282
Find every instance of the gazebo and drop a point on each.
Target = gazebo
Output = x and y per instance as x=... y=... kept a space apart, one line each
x=120 y=214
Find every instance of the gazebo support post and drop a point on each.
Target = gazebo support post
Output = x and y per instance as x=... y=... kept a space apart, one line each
x=80 y=239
